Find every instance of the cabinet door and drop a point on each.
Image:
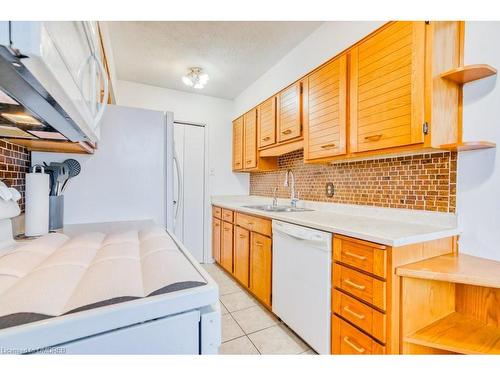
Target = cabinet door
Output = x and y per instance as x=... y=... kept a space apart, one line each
x=267 y=123
x=290 y=113
x=387 y=88
x=238 y=144
x=241 y=255
x=226 y=253
x=72 y=51
x=325 y=111
x=261 y=267
x=250 y=126
x=216 y=239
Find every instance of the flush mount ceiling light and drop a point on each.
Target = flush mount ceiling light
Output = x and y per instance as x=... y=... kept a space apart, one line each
x=195 y=78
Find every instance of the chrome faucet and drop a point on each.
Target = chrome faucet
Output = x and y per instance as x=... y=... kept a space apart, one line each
x=275 y=196
x=293 y=197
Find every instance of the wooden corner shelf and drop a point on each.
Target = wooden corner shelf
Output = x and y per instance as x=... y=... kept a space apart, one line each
x=450 y=304
x=463 y=269
x=468 y=146
x=469 y=73
x=458 y=333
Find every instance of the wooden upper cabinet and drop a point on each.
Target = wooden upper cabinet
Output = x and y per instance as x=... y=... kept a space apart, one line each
x=250 y=136
x=290 y=113
x=387 y=88
x=238 y=144
x=267 y=123
x=325 y=107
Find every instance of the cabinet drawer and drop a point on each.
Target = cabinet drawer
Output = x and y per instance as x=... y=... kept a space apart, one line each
x=347 y=339
x=360 y=285
x=361 y=254
x=227 y=215
x=254 y=224
x=217 y=212
x=359 y=314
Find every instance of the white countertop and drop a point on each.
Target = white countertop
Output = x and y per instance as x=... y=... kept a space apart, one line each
x=387 y=226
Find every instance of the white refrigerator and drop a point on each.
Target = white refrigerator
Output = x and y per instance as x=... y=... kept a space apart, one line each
x=131 y=174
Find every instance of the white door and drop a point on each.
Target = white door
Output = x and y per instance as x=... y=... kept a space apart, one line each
x=189 y=187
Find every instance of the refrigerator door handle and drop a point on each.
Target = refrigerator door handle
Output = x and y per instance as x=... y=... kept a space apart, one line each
x=179 y=187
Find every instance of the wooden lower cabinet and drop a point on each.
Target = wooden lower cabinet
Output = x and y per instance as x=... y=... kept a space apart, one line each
x=216 y=239
x=226 y=253
x=261 y=267
x=366 y=292
x=244 y=249
x=242 y=255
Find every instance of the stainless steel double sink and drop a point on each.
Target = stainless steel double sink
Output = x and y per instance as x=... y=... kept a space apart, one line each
x=272 y=208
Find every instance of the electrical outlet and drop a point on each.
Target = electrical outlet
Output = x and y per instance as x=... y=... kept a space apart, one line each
x=330 y=189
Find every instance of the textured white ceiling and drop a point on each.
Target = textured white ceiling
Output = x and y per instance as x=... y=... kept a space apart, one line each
x=234 y=54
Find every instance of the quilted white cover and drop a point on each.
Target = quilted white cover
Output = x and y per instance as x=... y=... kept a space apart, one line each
x=54 y=274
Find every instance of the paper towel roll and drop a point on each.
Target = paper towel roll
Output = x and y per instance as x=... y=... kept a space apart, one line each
x=37 y=204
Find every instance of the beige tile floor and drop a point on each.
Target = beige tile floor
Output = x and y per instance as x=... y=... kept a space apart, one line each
x=247 y=327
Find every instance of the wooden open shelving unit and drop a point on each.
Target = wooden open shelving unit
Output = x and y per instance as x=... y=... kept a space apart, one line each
x=469 y=73
x=450 y=305
x=458 y=333
x=461 y=76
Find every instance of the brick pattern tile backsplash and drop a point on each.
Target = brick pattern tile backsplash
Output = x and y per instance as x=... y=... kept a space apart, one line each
x=421 y=182
x=14 y=164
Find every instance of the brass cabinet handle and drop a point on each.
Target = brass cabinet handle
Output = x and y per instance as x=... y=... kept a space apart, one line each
x=249 y=161
x=374 y=137
x=354 y=285
x=266 y=138
x=352 y=255
x=238 y=163
x=355 y=314
x=216 y=224
x=328 y=145
x=348 y=341
x=258 y=243
x=227 y=229
x=243 y=236
x=287 y=131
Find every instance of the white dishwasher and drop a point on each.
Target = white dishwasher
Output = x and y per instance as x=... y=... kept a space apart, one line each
x=302 y=282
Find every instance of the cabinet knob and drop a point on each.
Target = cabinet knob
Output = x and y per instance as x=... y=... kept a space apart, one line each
x=356 y=256
x=249 y=161
x=287 y=131
x=373 y=138
x=266 y=138
x=355 y=314
x=354 y=285
x=348 y=341
x=328 y=146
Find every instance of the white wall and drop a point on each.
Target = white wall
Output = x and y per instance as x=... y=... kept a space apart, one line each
x=478 y=199
x=214 y=112
x=324 y=43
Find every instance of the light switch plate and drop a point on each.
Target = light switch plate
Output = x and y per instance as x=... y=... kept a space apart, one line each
x=330 y=189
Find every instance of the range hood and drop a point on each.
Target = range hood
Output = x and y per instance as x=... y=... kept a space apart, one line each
x=27 y=110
